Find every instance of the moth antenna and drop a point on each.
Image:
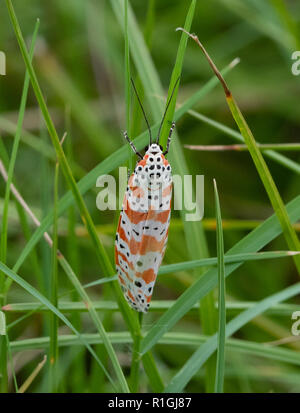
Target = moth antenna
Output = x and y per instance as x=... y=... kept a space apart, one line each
x=167 y=107
x=145 y=117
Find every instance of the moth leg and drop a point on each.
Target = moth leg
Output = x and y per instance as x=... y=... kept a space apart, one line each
x=169 y=138
x=132 y=145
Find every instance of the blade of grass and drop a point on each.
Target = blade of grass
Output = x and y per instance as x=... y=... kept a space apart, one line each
x=207 y=262
x=74 y=260
x=254 y=241
x=156 y=306
x=136 y=358
x=220 y=370
x=118 y=370
x=32 y=376
x=287 y=19
x=4 y=224
x=152 y=371
x=260 y=164
x=43 y=148
x=42 y=299
x=194 y=363
x=176 y=73
x=53 y=350
x=127 y=82
x=172 y=338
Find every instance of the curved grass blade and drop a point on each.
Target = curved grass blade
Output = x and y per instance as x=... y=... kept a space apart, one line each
x=233 y=308
x=254 y=241
x=260 y=164
x=53 y=350
x=32 y=376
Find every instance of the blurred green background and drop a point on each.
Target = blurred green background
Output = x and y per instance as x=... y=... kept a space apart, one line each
x=80 y=63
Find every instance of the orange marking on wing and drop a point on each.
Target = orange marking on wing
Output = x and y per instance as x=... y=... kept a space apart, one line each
x=148 y=275
x=122 y=281
x=149 y=298
x=143 y=161
x=123 y=235
x=147 y=244
x=135 y=216
x=130 y=179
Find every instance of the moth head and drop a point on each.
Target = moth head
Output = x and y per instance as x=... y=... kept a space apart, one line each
x=154 y=149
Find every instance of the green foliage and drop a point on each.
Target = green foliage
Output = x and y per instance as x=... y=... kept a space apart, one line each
x=80 y=79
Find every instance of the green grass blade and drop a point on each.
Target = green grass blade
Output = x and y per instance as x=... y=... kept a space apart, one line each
x=53 y=350
x=127 y=82
x=12 y=363
x=175 y=75
x=152 y=372
x=228 y=259
x=232 y=308
x=32 y=376
x=74 y=280
x=170 y=339
x=254 y=241
x=220 y=372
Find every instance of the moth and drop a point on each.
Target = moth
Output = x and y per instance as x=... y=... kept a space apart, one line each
x=143 y=226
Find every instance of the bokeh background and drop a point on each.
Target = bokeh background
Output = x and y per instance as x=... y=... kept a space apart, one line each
x=80 y=63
